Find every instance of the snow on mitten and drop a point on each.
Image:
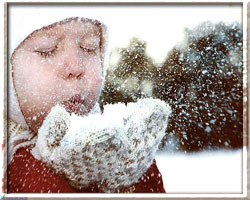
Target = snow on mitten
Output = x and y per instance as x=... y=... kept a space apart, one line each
x=113 y=149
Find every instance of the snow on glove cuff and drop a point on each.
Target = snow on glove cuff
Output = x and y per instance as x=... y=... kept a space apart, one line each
x=113 y=149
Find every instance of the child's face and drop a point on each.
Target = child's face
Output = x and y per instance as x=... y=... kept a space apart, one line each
x=58 y=64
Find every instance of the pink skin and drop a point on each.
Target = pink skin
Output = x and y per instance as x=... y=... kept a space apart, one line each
x=58 y=64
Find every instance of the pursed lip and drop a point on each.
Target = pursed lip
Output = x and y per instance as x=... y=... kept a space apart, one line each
x=75 y=105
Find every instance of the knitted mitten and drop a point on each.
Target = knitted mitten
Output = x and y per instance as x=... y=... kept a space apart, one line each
x=113 y=149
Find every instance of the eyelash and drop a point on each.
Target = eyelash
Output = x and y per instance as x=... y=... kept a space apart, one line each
x=46 y=53
x=90 y=51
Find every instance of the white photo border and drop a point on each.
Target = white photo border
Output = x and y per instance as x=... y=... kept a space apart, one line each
x=3 y=105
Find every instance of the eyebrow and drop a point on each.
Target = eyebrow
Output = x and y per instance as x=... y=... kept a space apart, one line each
x=49 y=42
x=87 y=39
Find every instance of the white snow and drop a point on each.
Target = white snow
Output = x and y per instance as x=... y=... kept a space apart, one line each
x=102 y=147
x=203 y=172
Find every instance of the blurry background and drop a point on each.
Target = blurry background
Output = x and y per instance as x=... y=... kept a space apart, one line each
x=188 y=55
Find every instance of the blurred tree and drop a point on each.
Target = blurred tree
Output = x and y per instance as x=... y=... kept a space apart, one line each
x=135 y=62
x=132 y=77
x=203 y=82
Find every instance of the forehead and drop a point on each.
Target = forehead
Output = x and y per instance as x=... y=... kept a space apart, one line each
x=72 y=28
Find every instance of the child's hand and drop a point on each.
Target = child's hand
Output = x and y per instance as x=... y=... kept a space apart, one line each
x=113 y=149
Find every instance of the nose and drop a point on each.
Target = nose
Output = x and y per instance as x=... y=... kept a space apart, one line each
x=73 y=67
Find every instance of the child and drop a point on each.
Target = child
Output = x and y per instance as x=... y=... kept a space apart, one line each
x=63 y=63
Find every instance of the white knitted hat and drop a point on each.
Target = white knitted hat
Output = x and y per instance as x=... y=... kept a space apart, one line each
x=18 y=128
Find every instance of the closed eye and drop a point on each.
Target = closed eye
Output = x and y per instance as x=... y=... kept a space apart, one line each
x=88 y=50
x=47 y=52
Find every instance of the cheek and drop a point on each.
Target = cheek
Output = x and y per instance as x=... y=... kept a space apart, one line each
x=37 y=86
x=94 y=75
x=35 y=78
